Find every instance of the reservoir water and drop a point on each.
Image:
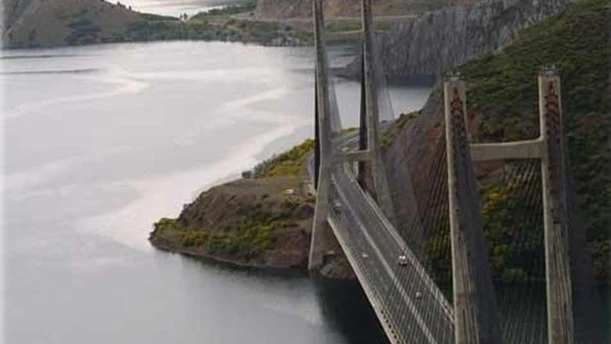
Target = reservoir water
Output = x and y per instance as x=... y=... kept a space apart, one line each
x=101 y=141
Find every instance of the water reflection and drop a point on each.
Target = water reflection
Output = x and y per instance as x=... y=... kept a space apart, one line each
x=345 y=306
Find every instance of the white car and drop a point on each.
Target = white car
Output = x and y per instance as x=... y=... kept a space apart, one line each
x=364 y=255
x=402 y=261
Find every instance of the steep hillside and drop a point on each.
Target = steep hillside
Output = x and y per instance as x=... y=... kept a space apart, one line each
x=448 y=37
x=350 y=8
x=49 y=23
x=502 y=105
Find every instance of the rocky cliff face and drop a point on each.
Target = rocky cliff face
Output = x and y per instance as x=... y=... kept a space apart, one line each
x=349 y=8
x=448 y=37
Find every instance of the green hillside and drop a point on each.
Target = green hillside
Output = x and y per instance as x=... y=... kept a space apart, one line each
x=502 y=94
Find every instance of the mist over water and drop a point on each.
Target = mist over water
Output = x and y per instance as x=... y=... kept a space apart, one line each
x=102 y=141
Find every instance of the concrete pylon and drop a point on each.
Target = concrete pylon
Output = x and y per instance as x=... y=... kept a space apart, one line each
x=369 y=154
x=321 y=233
x=364 y=168
x=476 y=317
x=560 y=324
x=370 y=105
x=549 y=149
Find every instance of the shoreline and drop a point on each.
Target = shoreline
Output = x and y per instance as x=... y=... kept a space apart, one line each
x=229 y=263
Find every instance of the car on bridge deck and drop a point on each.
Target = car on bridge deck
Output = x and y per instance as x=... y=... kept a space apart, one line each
x=402 y=261
x=337 y=205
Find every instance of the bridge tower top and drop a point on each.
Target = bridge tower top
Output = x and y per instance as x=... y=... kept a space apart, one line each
x=476 y=317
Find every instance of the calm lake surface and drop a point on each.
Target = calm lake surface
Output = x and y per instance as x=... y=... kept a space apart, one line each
x=101 y=141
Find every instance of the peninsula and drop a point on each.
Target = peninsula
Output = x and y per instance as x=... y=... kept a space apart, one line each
x=256 y=221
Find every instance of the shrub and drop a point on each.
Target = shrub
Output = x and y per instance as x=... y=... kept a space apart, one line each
x=289 y=163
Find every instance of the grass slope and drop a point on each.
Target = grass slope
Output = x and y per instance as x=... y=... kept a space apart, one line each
x=289 y=163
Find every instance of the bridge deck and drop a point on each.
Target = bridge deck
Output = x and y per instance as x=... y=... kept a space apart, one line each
x=409 y=305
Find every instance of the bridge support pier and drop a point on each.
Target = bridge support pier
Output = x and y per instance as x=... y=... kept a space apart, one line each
x=321 y=232
x=476 y=317
x=560 y=324
x=373 y=167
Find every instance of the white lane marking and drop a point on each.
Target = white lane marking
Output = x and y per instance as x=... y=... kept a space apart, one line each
x=408 y=300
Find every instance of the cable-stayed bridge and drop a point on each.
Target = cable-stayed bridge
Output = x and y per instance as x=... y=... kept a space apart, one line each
x=401 y=266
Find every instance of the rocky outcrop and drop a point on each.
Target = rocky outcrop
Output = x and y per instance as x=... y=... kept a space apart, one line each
x=248 y=222
x=438 y=40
